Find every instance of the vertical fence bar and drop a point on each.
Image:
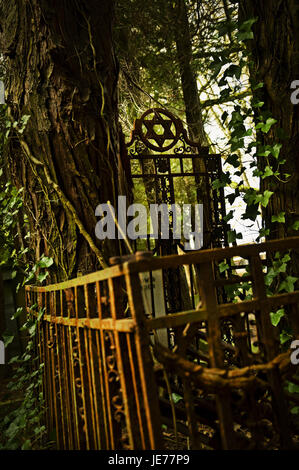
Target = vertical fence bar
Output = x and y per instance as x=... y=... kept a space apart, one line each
x=52 y=365
x=65 y=362
x=80 y=382
x=105 y=379
x=73 y=396
x=90 y=373
x=53 y=314
x=223 y=399
x=145 y=363
x=132 y=361
x=115 y=294
x=48 y=377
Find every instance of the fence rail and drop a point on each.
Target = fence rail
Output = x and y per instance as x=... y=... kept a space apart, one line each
x=113 y=361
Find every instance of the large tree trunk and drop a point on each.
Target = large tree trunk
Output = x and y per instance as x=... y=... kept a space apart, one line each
x=275 y=54
x=61 y=71
x=188 y=76
x=193 y=109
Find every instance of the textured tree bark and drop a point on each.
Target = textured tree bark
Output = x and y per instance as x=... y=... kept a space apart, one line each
x=191 y=99
x=275 y=54
x=62 y=72
x=188 y=76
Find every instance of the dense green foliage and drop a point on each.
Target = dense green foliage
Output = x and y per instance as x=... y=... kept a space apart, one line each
x=22 y=427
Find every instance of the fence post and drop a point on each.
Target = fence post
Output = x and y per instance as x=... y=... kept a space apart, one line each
x=145 y=362
x=223 y=399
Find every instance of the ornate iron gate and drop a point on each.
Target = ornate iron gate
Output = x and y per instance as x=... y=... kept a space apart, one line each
x=167 y=167
x=170 y=166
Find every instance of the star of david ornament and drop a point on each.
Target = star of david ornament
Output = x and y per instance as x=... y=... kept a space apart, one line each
x=160 y=139
x=147 y=129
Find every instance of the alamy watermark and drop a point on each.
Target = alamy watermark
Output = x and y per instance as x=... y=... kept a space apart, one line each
x=178 y=221
x=295 y=353
x=295 y=94
x=2 y=98
x=2 y=353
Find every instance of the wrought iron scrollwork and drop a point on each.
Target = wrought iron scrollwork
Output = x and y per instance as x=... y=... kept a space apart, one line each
x=184 y=148
x=113 y=375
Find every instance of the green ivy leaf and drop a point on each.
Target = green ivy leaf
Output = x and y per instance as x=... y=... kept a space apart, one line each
x=271 y=274
x=284 y=337
x=288 y=284
x=258 y=86
x=266 y=126
x=251 y=212
x=277 y=316
x=229 y=216
x=233 y=235
x=278 y=218
x=32 y=329
x=13 y=360
x=258 y=104
x=265 y=197
x=232 y=197
x=223 y=266
x=245 y=35
x=17 y=313
x=247 y=25
x=264 y=232
x=8 y=339
x=293 y=388
x=26 y=445
x=268 y=172
x=42 y=276
x=45 y=262
x=286 y=258
x=233 y=160
x=263 y=153
x=276 y=149
x=176 y=398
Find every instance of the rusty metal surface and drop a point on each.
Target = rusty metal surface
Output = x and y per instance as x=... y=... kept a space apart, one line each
x=237 y=380
x=94 y=384
x=100 y=381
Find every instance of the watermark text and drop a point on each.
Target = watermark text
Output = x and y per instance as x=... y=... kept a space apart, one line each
x=165 y=221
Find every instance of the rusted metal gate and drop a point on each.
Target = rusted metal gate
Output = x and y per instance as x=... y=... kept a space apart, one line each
x=168 y=168
x=105 y=370
x=174 y=169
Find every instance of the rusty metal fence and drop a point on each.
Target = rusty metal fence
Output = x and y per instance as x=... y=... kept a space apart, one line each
x=98 y=380
x=113 y=368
